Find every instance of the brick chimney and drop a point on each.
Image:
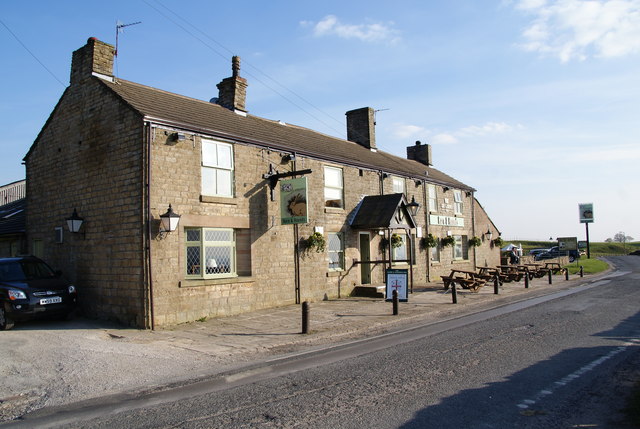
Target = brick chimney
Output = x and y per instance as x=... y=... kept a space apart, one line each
x=94 y=57
x=232 y=91
x=361 y=127
x=420 y=153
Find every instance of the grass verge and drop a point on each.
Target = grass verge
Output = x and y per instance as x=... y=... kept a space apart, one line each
x=590 y=266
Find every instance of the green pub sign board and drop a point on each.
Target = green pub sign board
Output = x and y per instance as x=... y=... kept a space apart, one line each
x=293 y=201
x=586 y=212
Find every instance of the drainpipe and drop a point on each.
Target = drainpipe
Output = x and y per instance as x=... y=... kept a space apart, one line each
x=150 y=312
x=425 y=204
x=296 y=250
x=473 y=230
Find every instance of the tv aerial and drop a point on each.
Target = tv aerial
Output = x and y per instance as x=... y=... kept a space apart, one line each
x=119 y=29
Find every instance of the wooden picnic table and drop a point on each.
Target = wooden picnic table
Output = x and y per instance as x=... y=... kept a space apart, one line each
x=466 y=279
x=538 y=270
x=491 y=274
x=526 y=271
x=511 y=273
x=554 y=267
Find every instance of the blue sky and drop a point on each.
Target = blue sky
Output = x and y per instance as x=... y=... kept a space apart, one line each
x=534 y=103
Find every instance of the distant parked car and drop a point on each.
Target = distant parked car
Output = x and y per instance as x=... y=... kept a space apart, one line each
x=534 y=252
x=30 y=289
x=555 y=252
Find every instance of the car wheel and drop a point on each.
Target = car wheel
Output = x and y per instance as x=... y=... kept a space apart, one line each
x=6 y=322
x=572 y=258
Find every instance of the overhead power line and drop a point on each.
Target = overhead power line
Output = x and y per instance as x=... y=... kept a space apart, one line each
x=225 y=56
x=32 y=54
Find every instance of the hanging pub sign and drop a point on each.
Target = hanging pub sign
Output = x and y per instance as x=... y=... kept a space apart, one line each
x=293 y=201
x=586 y=212
x=397 y=280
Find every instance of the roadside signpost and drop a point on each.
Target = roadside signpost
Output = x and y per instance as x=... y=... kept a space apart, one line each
x=586 y=216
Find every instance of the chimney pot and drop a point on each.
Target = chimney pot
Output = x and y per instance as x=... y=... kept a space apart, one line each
x=232 y=91
x=420 y=153
x=361 y=127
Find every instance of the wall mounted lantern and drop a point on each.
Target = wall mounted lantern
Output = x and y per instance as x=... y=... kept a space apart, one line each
x=178 y=137
x=413 y=206
x=74 y=222
x=169 y=221
x=488 y=234
x=445 y=188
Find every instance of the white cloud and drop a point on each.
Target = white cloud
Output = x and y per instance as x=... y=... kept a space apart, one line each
x=577 y=29
x=444 y=138
x=373 y=32
x=483 y=130
x=405 y=131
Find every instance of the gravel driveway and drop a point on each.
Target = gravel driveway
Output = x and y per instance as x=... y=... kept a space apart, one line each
x=53 y=363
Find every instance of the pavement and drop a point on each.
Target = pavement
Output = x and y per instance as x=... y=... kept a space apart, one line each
x=46 y=364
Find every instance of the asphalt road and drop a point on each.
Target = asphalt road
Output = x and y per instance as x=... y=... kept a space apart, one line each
x=565 y=362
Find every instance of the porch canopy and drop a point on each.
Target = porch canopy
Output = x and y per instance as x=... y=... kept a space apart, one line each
x=383 y=211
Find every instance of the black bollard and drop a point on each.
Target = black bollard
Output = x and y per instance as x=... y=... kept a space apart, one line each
x=305 y=317
x=526 y=281
x=395 y=302
x=581 y=271
x=566 y=274
x=454 y=293
x=496 y=283
x=550 y=274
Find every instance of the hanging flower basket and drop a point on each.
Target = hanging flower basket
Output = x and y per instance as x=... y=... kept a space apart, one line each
x=317 y=242
x=475 y=242
x=429 y=241
x=396 y=240
x=498 y=242
x=447 y=241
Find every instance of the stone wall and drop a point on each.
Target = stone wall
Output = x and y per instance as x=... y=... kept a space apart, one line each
x=88 y=157
x=266 y=249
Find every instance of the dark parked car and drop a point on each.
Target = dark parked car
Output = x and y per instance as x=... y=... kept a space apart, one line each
x=534 y=252
x=30 y=289
x=555 y=252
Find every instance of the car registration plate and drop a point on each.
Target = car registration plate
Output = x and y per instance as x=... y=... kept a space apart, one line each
x=52 y=300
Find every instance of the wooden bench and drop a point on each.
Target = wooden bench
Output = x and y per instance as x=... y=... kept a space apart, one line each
x=538 y=270
x=493 y=273
x=466 y=279
x=554 y=267
x=511 y=273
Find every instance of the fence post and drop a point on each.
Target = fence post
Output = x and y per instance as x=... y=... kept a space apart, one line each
x=581 y=271
x=566 y=274
x=395 y=302
x=305 y=317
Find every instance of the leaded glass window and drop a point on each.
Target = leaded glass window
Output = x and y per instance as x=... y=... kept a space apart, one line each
x=210 y=252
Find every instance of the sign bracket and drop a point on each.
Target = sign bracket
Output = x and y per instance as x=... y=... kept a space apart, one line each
x=273 y=176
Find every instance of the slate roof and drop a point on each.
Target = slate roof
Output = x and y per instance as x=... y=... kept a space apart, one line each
x=377 y=211
x=12 y=217
x=208 y=118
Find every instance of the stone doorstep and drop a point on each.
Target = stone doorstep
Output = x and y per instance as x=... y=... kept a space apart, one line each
x=369 y=291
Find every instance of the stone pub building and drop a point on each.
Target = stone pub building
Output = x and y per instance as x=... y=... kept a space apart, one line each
x=117 y=154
